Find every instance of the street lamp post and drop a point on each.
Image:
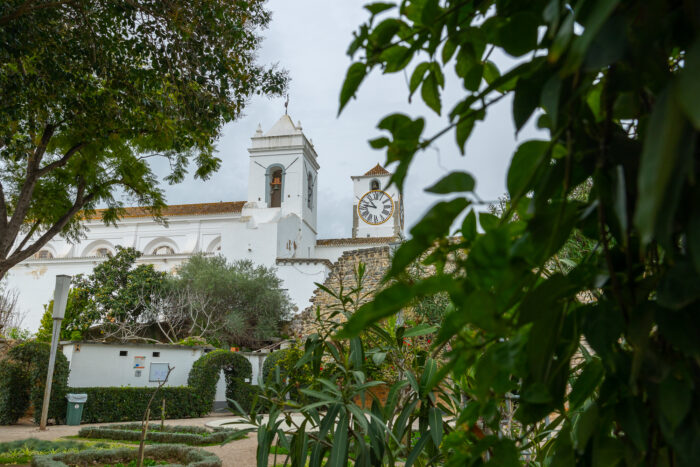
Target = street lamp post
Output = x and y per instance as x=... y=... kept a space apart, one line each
x=60 y=298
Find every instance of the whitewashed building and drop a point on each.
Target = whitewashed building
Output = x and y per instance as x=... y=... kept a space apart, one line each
x=276 y=226
x=97 y=364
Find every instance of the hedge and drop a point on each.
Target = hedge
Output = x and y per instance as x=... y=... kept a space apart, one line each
x=14 y=397
x=23 y=380
x=185 y=456
x=119 y=404
x=205 y=374
x=194 y=436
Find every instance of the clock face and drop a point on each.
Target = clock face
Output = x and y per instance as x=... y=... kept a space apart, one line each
x=375 y=207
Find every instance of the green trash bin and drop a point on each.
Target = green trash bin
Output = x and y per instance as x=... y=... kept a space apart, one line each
x=75 y=408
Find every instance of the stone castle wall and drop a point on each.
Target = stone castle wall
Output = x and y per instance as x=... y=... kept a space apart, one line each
x=343 y=273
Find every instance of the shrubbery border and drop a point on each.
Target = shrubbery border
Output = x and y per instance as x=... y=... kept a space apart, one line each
x=170 y=434
x=188 y=456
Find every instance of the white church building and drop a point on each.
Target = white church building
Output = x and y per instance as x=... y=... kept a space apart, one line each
x=276 y=226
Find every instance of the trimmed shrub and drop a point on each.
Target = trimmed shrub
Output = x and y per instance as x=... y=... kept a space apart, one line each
x=14 y=397
x=22 y=451
x=243 y=393
x=205 y=374
x=27 y=385
x=118 y=404
x=185 y=456
x=194 y=436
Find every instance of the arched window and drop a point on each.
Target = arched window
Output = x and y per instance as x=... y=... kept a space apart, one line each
x=275 y=186
x=102 y=252
x=43 y=254
x=164 y=250
x=374 y=185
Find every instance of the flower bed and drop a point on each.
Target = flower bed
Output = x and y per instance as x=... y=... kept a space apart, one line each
x=178 y=455
x=192 y=435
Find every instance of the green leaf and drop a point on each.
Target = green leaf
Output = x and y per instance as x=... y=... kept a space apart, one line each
x=586 y=383
x=518 y=35
x=675 y=398
x=415 y=452
x=469 y=226
x=688 y=90
x=584 y=426
x=452 y=183
x=430 y=93
x=356 y=73
x=417 y=76
x=448 y=50
x=472 y=79
x=526 y=100
x=420 y=330
x=339 y=452
x=396 y=58
x=594 y=21
x=664 y=163
x=679 y=287
x=435 y=418
x=378 y=7
x=463 y=131
x=527 y=159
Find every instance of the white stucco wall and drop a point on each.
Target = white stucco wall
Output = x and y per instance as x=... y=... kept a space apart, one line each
x=100 y=365
x=299 y=281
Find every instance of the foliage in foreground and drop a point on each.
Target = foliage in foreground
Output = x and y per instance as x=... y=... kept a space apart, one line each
x=183 y=456
x=616 y=86
x=343 y=417
x=93 y=91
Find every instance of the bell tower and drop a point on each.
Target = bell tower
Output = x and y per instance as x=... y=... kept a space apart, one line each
x=283 y=171
x=377 y=206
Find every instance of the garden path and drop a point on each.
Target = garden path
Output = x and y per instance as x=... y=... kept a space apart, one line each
x=239 y=453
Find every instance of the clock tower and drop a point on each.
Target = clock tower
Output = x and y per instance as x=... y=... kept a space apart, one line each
x=377 y=206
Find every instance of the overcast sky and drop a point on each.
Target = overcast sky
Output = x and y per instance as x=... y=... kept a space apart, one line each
x=309 y=38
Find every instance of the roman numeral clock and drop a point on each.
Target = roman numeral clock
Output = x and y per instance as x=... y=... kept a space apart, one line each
x=375 y=207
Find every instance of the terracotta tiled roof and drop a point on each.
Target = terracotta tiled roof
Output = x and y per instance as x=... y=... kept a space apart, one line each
x=377 y=170
x=181 y=210
x=355 y=241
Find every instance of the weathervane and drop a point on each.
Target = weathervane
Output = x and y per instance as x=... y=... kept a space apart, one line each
x=286 y=104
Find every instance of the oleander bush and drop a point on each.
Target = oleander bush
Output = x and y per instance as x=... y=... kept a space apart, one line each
x=23 y=378
x=117 y=404
x=193 y=436
x=183 y=456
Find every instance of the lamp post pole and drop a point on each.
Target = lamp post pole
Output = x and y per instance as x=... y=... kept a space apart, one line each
x=60 y=298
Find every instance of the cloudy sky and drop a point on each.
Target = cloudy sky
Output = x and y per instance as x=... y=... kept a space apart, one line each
x=309 y=38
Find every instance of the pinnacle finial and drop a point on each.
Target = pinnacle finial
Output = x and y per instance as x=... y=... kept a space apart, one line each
x=298 y=124
x=286 y=104
x=259 y=131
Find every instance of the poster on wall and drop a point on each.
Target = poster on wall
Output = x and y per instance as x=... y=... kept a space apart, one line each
x=158 y=373
x=139 y=363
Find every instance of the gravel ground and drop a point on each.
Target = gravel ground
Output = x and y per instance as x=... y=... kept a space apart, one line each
x=239 y=453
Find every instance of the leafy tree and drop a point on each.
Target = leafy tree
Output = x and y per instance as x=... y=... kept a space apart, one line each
x=247 y=298
x=92 y=89
x=73 y=325
x=116 y=291
x=616 y=85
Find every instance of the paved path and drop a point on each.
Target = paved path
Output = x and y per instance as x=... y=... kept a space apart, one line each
x=239 y=453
